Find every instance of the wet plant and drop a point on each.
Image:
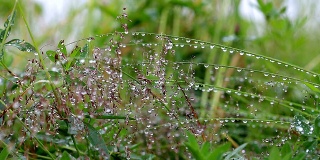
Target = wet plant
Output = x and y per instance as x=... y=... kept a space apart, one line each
x=128 y=95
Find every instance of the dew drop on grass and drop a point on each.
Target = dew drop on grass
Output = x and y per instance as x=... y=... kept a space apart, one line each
x=211 y=46
x=188 y=40
x=206 y=65
x=241 y=53
x=92 y=61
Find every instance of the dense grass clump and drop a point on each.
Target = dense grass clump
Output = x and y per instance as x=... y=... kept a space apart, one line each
x=133 y=95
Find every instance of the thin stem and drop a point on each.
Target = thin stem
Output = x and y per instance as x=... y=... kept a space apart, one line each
x=56 y=95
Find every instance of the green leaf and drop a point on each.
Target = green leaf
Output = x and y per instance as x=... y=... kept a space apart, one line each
x=4 y=153
x=83 y=54
x=2 y=32
x=110 y=117
x=95 y=139
x=51 y=55
x=236 y=151
x=274 y=154
x=317 y=127
x=310 y=145
x=205 y=149
x=193 y=146
x=75 y=52
x=21 y=45
x=312 y=87
x=84 y=51
x=288 y=156
x=300 y=156
x=286 y=149
x=62 y=48
x=302 y=125
x=7 y=26
x=218 y=152
x=8 y=23
x=73 y=56
x=65 y=156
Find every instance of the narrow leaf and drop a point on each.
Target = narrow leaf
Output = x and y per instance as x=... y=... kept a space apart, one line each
x=83 y=54
x=4 y=153
x=111 y=117
x=7 y=26
x=236 y=151
x=275 y=153
x=62 y=48
x=95 y=139
x=312 y=87
x=65 y=156
x=73 y=56
x=51 y=55
x=21 y=45
x=317 y=126
x=9 y=23
x=218 y=152
x=205 y=148
x=193 y=146
x=300 y=156
x=286 y=149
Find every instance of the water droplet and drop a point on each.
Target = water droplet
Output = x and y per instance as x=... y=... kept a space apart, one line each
x=92 y=61
x=168 y=46
x=212 y=46
x=241 y=53
x=188 y=40
x=206 y=65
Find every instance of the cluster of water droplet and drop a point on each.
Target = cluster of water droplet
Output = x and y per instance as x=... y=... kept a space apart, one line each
x=142 y=77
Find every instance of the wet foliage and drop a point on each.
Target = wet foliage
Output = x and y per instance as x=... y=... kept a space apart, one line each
x=130 y=95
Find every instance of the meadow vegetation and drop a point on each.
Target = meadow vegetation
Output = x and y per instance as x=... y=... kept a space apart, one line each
x=158 y=80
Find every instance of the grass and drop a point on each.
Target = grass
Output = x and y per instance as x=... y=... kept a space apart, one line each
x=150 y=95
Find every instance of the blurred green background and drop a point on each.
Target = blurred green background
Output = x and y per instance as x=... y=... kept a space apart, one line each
x=282 y=29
